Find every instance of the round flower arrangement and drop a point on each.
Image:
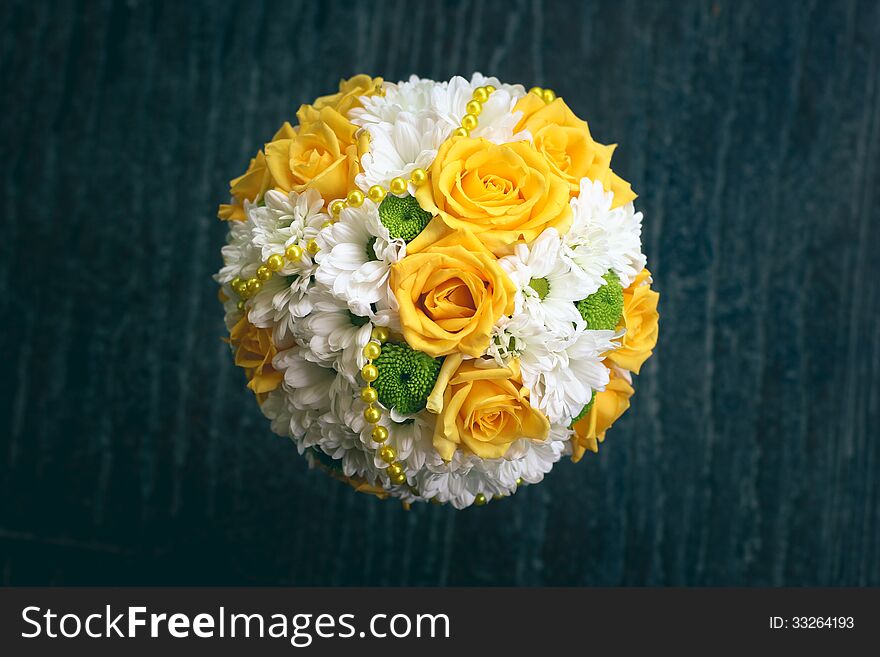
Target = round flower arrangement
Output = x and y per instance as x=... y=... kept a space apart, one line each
x=437 y=289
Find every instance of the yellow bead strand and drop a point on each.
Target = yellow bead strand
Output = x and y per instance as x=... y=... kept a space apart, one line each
x=474 y=108
x=373 y=414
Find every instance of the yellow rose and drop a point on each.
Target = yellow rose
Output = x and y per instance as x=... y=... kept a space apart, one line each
x=500 y=193
x=640 y=319
x=322 y=155
x=450 y=295
x=485 y=409
x=608 y=405
x=254 y=351
x=349 y=92
x=324 y=152
x=253 y=183
x=565 y=141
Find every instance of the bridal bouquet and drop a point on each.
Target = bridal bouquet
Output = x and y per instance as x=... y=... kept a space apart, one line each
x=437 y=289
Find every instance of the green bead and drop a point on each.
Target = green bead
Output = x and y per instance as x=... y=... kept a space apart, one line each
x=406 y=377
x=602 y=309
x=403 y=217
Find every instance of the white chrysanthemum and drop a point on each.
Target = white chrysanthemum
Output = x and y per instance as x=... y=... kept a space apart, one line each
x=286 y=419
x=561 y=372
x=308 y=385
x=335 y=337
x=511 y=336
x=287 y=219
x=239 y=254
x=279 y=303
x=412 y=97
x=465 y=476
x=497 y=120
x=547 y=283
x=396 y=149
x=409 y=123
x=354 y=260
x=601 y=238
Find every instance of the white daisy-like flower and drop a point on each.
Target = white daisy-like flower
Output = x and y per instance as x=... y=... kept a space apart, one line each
x=601 y=238
x=279 y=303
x=335 y=337
x=308 y=385
x=240 y=257
x=412 y=97
x=397 y=149
x=561 y=372
x=355 y=257
x=409 y=123
x=511 y=336
x=497 y=120
x=548 y=283
x=284 y=220
x=286 y=419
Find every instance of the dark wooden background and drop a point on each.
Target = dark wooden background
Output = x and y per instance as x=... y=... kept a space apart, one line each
x=131 y=452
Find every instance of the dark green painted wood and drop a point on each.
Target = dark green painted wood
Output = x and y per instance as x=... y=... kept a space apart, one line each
x=131 y=452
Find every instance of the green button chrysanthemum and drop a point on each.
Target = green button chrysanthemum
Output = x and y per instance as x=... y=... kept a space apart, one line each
x=406 y=377
x=602 y=309
x=585 y=409
x=403 y=216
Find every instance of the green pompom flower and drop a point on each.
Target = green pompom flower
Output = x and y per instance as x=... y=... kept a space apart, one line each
x=585 y=409
x=406 y=377
x=403 y=216
x=602 y=309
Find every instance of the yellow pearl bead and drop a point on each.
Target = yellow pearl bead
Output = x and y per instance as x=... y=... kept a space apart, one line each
x=490 y=88
x=397 y=186
x=519 y=481
x=380 y=434
x=469 y=122
x=537 y=91
x=474 y=107
x=481 y=94
x=355 y=198
x=548 y=95
x=370 y=372
x=239 y=286
x=369 y=395
x=496 y=496
x=372 y=351
x=418 y=177
x=264 y=273
x=293 y=252
x=240 y=305
x=254 y=285
x=398 y=480
x=387 y=454
x=275 y=262
x=372 y=414
x=480 y=499
x=376 y=193
x=394 y=469
x=312 y=247
x=380 y=333
x=234 y=283
x=336 y=207
x=460 y=132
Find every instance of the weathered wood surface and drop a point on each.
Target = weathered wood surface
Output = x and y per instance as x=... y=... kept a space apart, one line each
x=132 y=452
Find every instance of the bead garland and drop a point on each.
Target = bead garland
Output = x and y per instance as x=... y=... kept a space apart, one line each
x=373 y=414
x=373 y=349
x=547 y=95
